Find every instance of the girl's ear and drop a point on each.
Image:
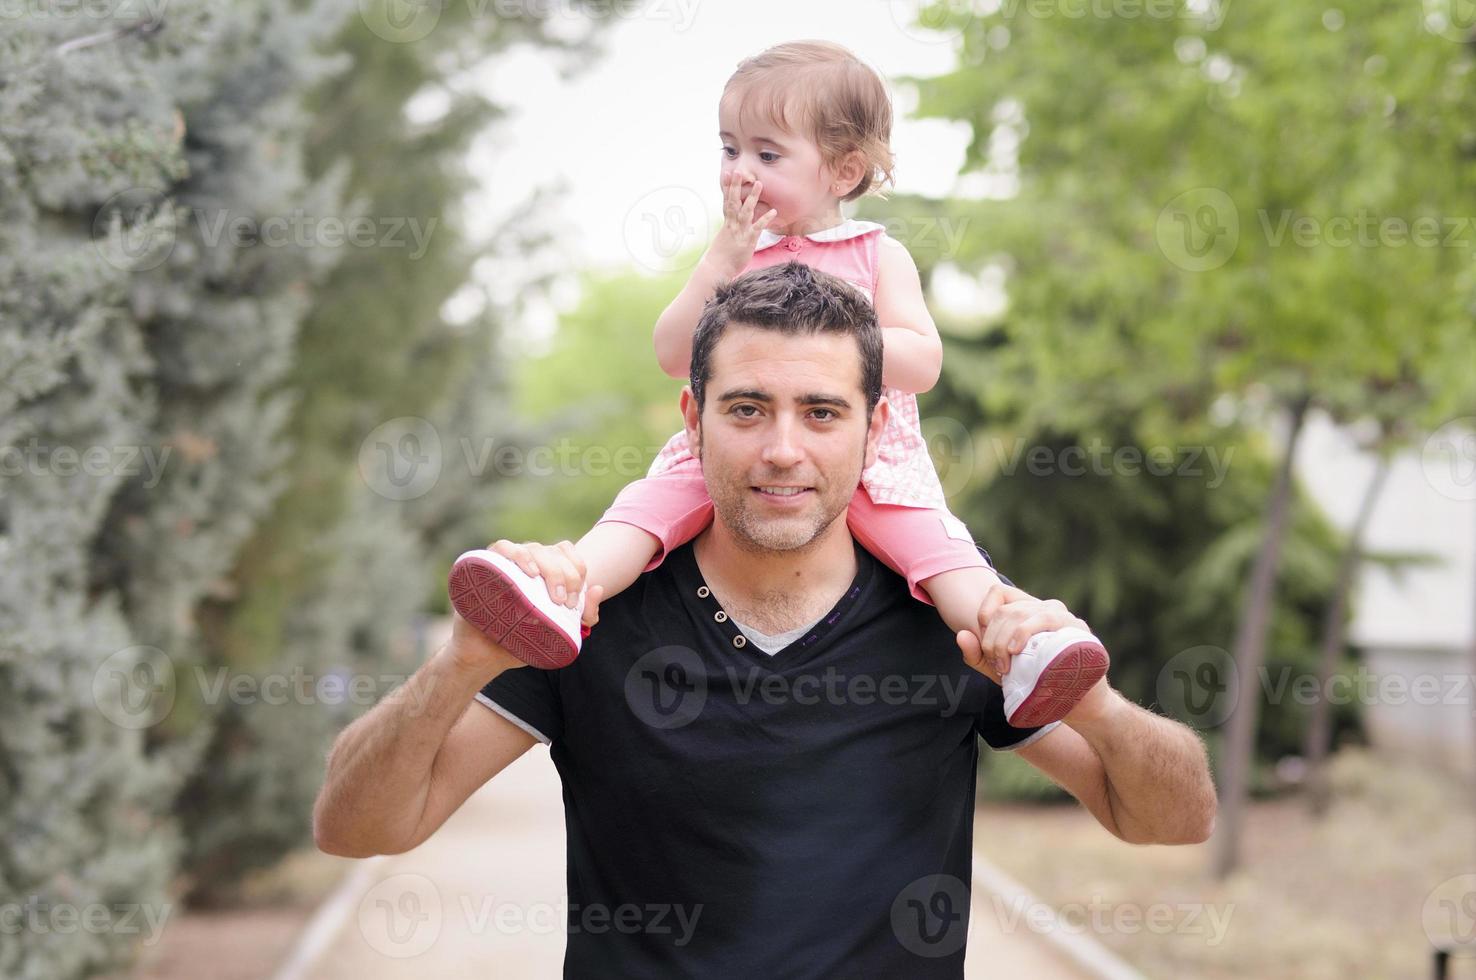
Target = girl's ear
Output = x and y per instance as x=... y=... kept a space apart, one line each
x=849 y=173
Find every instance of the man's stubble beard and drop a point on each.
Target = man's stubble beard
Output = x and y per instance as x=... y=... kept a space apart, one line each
x=756 y=535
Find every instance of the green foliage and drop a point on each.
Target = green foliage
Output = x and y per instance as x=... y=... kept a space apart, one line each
x=602 y=407
x=335 y=574
x=138 y=451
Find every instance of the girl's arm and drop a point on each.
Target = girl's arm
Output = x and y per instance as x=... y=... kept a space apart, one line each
x=912 y=352
x=678 y=322
x=730 y=252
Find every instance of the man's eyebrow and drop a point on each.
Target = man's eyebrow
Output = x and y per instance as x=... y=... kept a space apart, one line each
x=811 y=398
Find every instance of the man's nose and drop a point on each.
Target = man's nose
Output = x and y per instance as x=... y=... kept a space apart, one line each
x=782 y=448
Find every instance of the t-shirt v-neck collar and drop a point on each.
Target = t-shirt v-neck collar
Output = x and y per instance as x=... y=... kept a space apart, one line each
x=698 y=596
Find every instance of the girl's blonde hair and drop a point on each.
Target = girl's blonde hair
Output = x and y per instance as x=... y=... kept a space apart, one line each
x=821 y=90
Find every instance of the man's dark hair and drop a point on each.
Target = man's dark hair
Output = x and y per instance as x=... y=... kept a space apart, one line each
x=790 y=299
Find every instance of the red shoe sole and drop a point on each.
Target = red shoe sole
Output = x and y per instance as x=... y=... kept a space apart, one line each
x=494 y=605
x=1062 y=685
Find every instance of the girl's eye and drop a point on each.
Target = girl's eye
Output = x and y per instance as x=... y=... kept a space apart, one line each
x=767 y=154
x=729 y=152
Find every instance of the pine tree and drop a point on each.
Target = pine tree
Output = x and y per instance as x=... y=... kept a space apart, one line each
x=141 y=356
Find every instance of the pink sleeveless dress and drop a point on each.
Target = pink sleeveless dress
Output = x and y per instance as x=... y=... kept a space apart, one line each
x=899 y=512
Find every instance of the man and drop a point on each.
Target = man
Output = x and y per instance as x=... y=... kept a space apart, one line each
x=768 y=748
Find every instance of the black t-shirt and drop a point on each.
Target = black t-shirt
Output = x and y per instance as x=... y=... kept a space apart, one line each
x=732 y=813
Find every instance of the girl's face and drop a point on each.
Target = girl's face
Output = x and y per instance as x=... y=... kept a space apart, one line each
x=795 y=181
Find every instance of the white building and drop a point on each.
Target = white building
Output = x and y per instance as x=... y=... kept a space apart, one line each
x=1416 y=630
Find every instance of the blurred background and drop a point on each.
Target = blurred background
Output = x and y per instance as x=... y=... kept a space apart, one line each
x=299 y=299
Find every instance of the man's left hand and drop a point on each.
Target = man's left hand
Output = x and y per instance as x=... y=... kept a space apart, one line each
x=1008 y=618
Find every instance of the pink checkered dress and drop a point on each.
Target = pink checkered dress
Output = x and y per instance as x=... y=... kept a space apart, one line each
x=903 y=472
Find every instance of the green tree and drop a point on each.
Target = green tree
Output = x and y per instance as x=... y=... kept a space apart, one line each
x=1217 y=205
x=139 y=417
x=332 y=579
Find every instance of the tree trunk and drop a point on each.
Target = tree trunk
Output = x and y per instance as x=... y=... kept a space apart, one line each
x=1250 y=650
x=1319 y=728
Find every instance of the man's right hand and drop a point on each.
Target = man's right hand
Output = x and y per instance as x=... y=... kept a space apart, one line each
x=563 y=573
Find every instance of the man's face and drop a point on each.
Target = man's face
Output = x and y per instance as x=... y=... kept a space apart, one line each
x=783 y=435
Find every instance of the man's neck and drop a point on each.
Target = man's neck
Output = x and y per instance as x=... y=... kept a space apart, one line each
x=776 y=591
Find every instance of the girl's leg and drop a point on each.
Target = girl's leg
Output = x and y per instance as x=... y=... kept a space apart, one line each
x=517 y=610
x=932 y=550
x=648 y=519
x=615 y=554
x=935 y=553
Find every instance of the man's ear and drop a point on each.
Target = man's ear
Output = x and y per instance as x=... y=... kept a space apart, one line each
x=874 y=432
x=692 y=419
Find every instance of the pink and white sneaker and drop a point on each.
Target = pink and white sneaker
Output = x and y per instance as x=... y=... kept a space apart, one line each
x=515 y=610
x=1051 y=674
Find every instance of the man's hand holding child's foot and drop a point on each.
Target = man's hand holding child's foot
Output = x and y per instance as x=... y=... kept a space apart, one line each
x=1044 y=658
x=530 y=599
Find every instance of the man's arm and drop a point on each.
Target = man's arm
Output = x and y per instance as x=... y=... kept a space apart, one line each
x=1144 y=777
x=396 y=774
